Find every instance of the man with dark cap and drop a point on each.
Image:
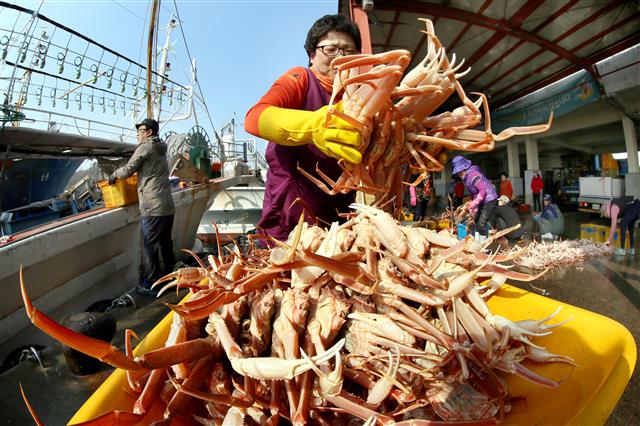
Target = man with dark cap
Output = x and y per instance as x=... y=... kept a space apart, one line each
x=156 y=204
x=550 y=221
x=483 y=193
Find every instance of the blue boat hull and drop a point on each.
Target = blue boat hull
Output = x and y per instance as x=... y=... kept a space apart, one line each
x=29 y=180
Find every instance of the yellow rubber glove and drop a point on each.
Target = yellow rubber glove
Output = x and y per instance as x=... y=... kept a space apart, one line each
x=293 y=127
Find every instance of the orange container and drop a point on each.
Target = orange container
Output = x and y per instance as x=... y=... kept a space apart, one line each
x=121 y=193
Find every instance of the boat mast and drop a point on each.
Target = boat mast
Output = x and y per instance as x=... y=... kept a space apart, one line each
x=155 y=7
x=164 y=67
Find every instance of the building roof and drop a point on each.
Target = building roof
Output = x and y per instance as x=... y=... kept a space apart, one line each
x=513 y=47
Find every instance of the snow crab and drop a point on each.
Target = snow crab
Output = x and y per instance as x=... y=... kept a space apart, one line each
x=367 y=320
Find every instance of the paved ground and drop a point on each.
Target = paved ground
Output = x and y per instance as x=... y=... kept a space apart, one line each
x=55 y=393
x=609 y=286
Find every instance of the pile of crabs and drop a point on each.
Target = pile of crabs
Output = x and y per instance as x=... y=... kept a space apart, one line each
x=365 y=321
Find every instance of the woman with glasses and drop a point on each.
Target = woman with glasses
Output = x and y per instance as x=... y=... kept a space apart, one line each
x=291 y=116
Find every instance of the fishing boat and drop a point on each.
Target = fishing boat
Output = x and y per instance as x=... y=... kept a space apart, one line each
x=68 y=98
x=236 y=211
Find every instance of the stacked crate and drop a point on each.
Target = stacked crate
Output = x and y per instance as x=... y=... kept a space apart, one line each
x=588 y=232
x=600 y=234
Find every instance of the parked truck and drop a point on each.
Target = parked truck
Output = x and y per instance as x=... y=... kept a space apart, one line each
x=595 y=191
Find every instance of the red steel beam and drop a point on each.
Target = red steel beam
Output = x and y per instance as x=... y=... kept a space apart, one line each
x=629 y=19
x=483 y=21
x=619 y=46
x=561 y=37
x=464 y=30
x=626 y=43
x=543 y=24
x=597 y=14
x=516 y=20
x=394 y=24
x=361 y=18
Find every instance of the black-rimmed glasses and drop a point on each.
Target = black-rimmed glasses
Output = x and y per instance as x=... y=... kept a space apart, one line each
x=331 y=50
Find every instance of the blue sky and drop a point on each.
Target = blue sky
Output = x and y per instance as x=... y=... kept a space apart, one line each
x=240 y=46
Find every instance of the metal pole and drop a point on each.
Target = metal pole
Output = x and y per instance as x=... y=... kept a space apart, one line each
x=150 y=54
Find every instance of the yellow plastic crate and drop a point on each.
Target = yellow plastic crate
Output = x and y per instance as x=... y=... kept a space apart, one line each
x=604 y=350
x=430 y=224
x=121 y=193
x=444 y=224
x=406 y=216
x=588 y=231
x=602 y=235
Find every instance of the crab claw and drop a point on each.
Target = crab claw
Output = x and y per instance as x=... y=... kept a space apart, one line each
x=331 y=383
x=184 y=276
x=543 y=356
x=281 y=369
x=515 y=330
x=539 y=326
x=99 y=349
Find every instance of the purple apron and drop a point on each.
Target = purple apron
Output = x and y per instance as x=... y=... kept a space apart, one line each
x=285 y=183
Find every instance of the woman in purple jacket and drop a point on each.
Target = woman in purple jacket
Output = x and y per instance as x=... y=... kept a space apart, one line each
x=483 y=193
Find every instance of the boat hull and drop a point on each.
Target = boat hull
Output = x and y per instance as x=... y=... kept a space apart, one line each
x=29 y=180
x=234 y=212
x=71 y=263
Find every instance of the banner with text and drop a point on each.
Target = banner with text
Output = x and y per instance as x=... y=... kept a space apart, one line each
x=570 y=94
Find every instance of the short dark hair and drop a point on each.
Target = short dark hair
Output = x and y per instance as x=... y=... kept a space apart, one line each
x=338 y=23
x=504 y=174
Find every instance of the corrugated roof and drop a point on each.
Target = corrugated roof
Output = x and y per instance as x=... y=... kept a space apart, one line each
x=513 y=47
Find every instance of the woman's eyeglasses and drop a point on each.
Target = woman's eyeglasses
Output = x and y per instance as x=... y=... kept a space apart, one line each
x=331 y=50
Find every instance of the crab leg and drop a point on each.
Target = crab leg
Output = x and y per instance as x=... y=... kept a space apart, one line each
x=220 y=298
x=96 y=348
x=462 y=281
x=32 y=411
x=218 y=399
x=199 y=374
x=489 y=270
x=150 y=392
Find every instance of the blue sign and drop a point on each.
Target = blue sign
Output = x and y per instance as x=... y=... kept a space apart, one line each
x=570 y=94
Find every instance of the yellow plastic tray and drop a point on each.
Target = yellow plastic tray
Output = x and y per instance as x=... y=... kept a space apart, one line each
x=604 y=350
x=121 y=193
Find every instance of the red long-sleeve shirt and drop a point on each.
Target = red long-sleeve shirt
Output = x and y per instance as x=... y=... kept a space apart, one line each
x=537 y=184
x=506 y=188
x=288 y=91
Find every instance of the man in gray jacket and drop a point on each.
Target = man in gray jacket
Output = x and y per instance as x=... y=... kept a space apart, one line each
x=156 y=204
